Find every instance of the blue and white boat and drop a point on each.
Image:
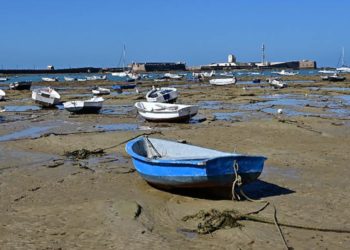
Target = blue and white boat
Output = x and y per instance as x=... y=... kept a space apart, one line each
x=170 y=164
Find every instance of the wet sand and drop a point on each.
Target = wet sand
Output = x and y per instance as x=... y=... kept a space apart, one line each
x=50 y=201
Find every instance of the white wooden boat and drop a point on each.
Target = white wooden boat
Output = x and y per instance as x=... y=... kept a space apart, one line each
x=100 y=91
x=46 y=97
x=81 y=79
x=23 y=85
x=49 y=79
x=2 y=95
x=92 y=105
x=165 y=94
x=165 y=112
x=223 y=81
x=276 y=83
x=69 y=79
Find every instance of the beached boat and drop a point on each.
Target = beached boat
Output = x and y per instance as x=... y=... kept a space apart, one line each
x=168 y=95
x=134 y=76
x=334 y=78
x=120 y=74
x=69 y=79
x=49 y=79
x=23 y=85
x=100 y=91
x=223 y=81
x=2 y=95
x=276 y=83
x=344 y=68
x=124 y=86
x=256 y=80
x=81 y=79
x=92 y=105
x=206 y=74
x=166 y=112
x=4 y=79
x=46 y=97
x=170 y=164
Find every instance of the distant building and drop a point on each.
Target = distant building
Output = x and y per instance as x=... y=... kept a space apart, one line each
x=231 y=58
x=50 y=67
x=307 y=64
x=157 y=66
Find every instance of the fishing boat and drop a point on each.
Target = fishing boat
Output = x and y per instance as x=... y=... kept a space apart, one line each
x=334 y=78
x=100 y=91
x=166 y=112
x=49 y=79
x=223 y=81
x=168 y=95
x=277 y=83
x=46 y=97
x=23 y=85
x=69 y=79
x=92 y=105
x=2 y=95
x=81 y=79
x=4 y=79
x=120 y=74
x=170 y=164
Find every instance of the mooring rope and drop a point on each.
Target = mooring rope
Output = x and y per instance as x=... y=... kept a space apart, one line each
x=237 y=183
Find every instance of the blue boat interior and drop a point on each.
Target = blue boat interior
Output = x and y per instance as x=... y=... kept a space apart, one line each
x=153 y=148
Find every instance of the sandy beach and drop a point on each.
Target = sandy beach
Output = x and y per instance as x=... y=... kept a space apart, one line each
x=52 y=201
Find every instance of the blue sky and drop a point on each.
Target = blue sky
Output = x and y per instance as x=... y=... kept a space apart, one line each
x=72 y=33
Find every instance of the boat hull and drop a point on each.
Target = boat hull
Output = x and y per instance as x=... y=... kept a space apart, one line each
x=20 y=86
x=84 y=110
x=196 y=173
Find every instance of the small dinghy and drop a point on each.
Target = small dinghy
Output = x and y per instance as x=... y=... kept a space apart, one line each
x=276 y=83
x=49 y=79
x=84 y=107
x=166 y=112
x=223 y=81
x=100 y=91
x=23 y=85
x=46 y=97
x=2 y=95
x=168 y=95
x=170 y=164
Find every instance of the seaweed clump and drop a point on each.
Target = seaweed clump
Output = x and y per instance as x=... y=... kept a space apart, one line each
x=83 y=153
x=210 y=221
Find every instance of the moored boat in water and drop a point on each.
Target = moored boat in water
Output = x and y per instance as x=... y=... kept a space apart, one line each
x=166 y=112
x=49 y=79
x=170 y=164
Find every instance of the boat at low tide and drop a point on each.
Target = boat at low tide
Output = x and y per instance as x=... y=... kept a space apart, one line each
x=166 y=112
x=23 y=85
x=100 y=91
x=223 y=81
x=92 y=105
x=334 y=78
x=168 y=95
x=170 y=164
x=46 y=97
x=277 y=83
